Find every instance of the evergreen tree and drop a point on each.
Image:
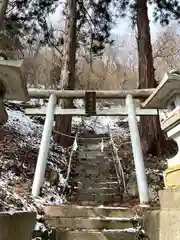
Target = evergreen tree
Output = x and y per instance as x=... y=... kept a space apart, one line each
x=93 y=25
x=27 y=18
x=95 y=21
x=153 y=140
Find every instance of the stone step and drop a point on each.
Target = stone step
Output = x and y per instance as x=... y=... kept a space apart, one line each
x=91 y=223
x=92 y=150
x=93 y=140
x=92 y=179
x=97 y=235
x=91 y=164
x=88 y=146
x=94 y=160
x=98 y=184
x=90 y=154
x=99 y=168
x=100 y=162
x=108 y=184
x=100 y=198
x=87 y=211
x=94 y=171
x=94 y=164
x=94 y=191
x=104 y=184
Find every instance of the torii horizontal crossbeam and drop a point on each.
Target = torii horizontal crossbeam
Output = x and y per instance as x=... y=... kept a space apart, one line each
x=108 y=94
x=121 y=111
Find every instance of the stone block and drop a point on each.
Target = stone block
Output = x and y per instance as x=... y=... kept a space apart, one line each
x=13 y=78
x=170 y=198
x=151 y=224
x=96 y=235
x=17 y=225
x=172 y=177
x=170 y=224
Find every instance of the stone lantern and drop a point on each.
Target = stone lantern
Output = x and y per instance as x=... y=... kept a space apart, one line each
x=12 y=84
x=167 y=96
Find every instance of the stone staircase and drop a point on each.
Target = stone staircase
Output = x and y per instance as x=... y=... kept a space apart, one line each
x=96 y=178
x=90 y=213
x=74 y=222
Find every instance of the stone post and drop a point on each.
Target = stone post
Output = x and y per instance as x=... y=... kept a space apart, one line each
x=17 y=225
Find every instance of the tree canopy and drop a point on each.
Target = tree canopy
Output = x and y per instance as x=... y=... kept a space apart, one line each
x=163 y=10
x=95 y=19
x=27 y=19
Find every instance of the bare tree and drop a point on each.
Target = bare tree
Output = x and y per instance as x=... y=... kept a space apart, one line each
x=166 y=51
x=117 y=69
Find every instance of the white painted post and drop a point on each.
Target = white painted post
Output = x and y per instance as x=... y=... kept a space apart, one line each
x=44 y=146
x=137 y=151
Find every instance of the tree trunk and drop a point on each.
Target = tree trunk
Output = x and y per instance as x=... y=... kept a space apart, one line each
x=63 y=123
x=3 y=8
x=152 y=136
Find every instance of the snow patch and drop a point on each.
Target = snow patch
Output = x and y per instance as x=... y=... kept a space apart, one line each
x=32 y=131
x=101 y=124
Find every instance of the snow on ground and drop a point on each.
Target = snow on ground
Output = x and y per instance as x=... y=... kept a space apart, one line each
x=25 y=126
x=117 y=125
x=101 y=124
x=21 y=135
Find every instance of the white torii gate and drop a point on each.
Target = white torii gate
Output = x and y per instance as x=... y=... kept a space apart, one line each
x=13 y=87
x=90 y=99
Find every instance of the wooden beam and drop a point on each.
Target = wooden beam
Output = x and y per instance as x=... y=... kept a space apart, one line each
x=121 y=111
x=121 y=94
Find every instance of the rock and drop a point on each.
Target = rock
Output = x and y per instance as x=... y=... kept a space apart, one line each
x=16 y=170
x=153 y=192
x=21 y=189
x=1 y=206
x=52 y=176
x=132 y=187
x=155 y=183
x=3 y=194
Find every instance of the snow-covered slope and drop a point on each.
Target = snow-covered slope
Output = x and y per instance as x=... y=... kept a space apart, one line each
x=19 y=145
